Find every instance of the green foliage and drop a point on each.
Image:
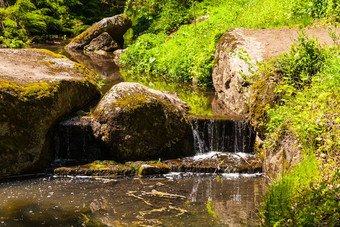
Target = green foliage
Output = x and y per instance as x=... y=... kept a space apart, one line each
x=281 y=195
x=26 y=20
x=305 y=59
x=188 y=53
x=316 y=9
x=309 y=110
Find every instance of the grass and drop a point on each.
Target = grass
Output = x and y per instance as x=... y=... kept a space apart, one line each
x=189 y=52
x=309 y=109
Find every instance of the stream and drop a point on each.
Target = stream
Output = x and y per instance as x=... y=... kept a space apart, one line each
x=174 y=199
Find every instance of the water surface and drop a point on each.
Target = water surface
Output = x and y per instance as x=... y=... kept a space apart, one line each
x=174 y=200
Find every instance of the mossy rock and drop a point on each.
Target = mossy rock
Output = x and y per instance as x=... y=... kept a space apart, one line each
x=139 y=123
x=115 y=26
x=109 y=168
x=34 y=96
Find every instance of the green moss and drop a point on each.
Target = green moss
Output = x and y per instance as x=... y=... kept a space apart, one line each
x=90 y=77
x=50 y=53
x=133 y=101
x=29 y=91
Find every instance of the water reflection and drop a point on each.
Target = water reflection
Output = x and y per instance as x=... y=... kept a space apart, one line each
x=173 y=201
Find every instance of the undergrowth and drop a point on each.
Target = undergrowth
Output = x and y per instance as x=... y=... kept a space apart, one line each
x=188 y=53
x=309 y=109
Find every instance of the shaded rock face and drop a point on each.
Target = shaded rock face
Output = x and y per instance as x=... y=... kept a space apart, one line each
x=74 y=142
x=103 y=42
x=115 y=26
x=37 y=88
x=137 y=123
x=232 y=90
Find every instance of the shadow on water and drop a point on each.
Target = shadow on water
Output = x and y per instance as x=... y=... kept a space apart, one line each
x=204 y=200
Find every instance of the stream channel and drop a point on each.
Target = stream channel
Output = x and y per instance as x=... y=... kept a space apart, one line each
x=174 y=199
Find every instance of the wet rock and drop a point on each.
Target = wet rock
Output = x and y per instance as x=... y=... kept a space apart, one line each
x=37 y=88
x=217 y=163
x=103 y=42
x=113 y=169
x=115 y=26
x=152 y=169
x=74 y=142
x=137 y=123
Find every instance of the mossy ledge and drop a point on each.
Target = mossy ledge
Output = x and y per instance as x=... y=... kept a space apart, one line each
x=107 y=168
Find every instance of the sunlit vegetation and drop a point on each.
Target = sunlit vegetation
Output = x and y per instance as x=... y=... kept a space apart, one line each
x=307 y=195
x=187 y=52
x=196 y=97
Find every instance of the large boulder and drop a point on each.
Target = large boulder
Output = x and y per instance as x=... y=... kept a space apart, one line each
x=37 y=88
x=115 y=26
x=136 y=123
x=237 y=53
x=231 y=68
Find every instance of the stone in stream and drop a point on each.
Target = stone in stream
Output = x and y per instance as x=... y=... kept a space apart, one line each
x=131 y=122
x=115 y=26
x=37 y=88
x=217 y=162
x=138 y=123
x=109 y=168
x=103 y=42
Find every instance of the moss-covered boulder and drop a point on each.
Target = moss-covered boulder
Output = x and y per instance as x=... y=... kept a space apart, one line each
x=37 y=88
x=115 y=26
x=138 y=123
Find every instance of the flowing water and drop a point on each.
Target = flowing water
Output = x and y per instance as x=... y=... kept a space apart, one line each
x=176 y=199
x=172 y=200
x=222 y=134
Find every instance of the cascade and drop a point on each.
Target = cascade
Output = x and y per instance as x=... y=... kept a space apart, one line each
x=222 y=135
x=74 y=143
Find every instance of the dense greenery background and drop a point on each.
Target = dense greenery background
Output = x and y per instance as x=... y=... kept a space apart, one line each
x=23 y=21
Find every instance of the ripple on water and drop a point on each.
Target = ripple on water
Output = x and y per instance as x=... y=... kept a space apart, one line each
x=177 y=199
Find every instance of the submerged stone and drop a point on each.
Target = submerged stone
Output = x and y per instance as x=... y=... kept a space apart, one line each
x=37 y=88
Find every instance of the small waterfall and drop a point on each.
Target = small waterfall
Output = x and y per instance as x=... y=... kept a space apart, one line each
x=222 y=135
x=74 y=143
